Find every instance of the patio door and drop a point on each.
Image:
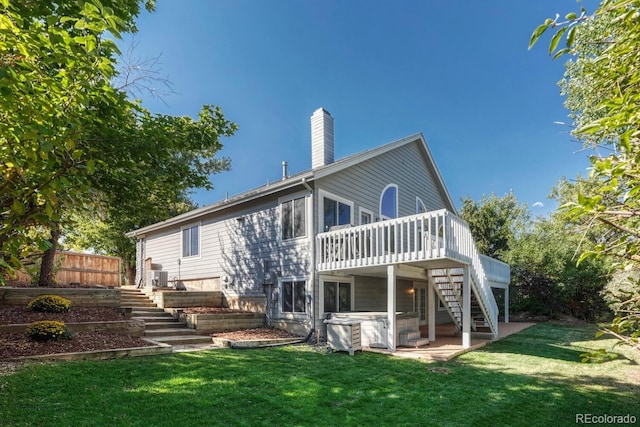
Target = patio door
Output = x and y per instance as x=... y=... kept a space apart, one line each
x=420 y=301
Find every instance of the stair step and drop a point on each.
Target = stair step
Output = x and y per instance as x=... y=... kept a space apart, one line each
x=184 y=339
x=145 y=314
x=148 y=310
x=154 y=319
x=419 y=342
x=169 y=332
x=411 y=335
x=163 y=325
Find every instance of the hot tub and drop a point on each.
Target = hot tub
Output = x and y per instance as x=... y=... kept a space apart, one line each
x=374 y=325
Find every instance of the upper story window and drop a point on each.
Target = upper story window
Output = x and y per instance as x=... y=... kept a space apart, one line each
x=389 y=202
x=191 y=241
x=366 y=217
x=294 y=214
x=336 y=211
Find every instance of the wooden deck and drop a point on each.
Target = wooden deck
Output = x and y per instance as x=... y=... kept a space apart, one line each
x=448 y=343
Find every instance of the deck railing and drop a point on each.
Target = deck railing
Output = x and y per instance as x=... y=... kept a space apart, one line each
x=422 y=237
x=496 y=270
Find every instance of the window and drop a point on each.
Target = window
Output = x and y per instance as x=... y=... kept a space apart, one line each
x=191 y=241
x=293 y=296
x=336 y=212
x=366 y=217
x=294 y=214
x=420 y=207
x=337 y=297
x=389 y=202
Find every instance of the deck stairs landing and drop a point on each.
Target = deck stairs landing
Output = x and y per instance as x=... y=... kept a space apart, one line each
x=158 y=324
x=448 y=286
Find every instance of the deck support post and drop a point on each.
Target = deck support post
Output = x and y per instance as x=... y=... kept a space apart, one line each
x=432 y=297
x=391 y=307
x=466 y=308
x=506 y=304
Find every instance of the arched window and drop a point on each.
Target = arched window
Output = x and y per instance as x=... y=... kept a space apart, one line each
x=389 y=202
x=420 y=207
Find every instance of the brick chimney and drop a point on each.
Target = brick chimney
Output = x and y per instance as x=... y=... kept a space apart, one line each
x=321 y=138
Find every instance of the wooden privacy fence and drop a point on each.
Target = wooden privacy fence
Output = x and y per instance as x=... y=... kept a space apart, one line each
x=85 y=269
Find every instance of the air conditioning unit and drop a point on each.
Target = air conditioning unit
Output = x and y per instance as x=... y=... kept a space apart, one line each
x=157 y=278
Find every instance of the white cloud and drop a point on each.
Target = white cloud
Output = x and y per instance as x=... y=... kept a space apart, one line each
x=538 y=205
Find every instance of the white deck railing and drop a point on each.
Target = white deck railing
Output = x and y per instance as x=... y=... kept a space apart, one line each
x=496 y=270
x=422 y=237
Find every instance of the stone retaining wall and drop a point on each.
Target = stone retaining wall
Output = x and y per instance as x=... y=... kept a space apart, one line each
x=78 y=296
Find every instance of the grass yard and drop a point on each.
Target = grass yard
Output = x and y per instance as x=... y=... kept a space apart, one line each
x=533 y=378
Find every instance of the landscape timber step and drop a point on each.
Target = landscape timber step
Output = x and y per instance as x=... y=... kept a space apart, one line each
x=151 y=319
x=169 y=332
x=145 y=314
x=148 y=310
x=184 y=339
x=163 y=325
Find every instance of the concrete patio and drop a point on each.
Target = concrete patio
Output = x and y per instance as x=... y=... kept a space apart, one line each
x=448 y=343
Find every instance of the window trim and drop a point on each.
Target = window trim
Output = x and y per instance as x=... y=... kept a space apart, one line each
x=190 y=226
x=307 y=305
x=280 y=217
x=362 y=210
x=419 y=204
x=384 y=190
x=322 y=194
x=338 y=279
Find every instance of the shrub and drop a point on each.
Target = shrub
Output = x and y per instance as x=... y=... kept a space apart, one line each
x=50 y=304
x=48 y=330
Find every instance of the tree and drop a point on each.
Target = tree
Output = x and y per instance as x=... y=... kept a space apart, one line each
x=493 y=222
x=151 y=162
x=54 y=65
x=59 y=149
x=604 y=101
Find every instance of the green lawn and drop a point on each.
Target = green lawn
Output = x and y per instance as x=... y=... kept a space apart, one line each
x=531 y=379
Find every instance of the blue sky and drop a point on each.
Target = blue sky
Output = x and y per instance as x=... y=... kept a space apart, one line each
x=457 y=71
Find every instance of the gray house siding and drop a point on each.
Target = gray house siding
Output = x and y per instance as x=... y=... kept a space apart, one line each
x=363 y=183
x=235 y=244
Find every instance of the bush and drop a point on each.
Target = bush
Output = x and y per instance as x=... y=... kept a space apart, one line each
x=48 y=330
x=50 y=304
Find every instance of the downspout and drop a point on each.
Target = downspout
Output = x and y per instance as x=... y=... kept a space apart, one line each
x=313 y=260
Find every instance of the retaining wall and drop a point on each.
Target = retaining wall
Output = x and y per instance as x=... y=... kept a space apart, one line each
x=78 y=296
x=209 y=323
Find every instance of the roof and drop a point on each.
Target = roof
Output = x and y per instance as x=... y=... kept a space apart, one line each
x=301 y=179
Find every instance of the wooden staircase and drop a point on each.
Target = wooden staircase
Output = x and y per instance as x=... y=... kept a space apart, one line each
x=158 y=324
x=448 y=286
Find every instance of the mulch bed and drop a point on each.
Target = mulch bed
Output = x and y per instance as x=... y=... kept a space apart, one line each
x=16 y=315
x=255 y=334
x=213 y=310
x=17 y=345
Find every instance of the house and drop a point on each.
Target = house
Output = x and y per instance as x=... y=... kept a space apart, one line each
x=372 y=238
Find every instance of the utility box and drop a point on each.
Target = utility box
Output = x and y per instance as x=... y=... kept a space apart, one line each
x=344 y=335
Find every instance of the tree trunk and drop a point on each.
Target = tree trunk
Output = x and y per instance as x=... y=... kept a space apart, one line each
x=47 y=273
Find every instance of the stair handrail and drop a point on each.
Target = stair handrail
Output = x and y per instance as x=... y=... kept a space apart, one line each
x=461 y=241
